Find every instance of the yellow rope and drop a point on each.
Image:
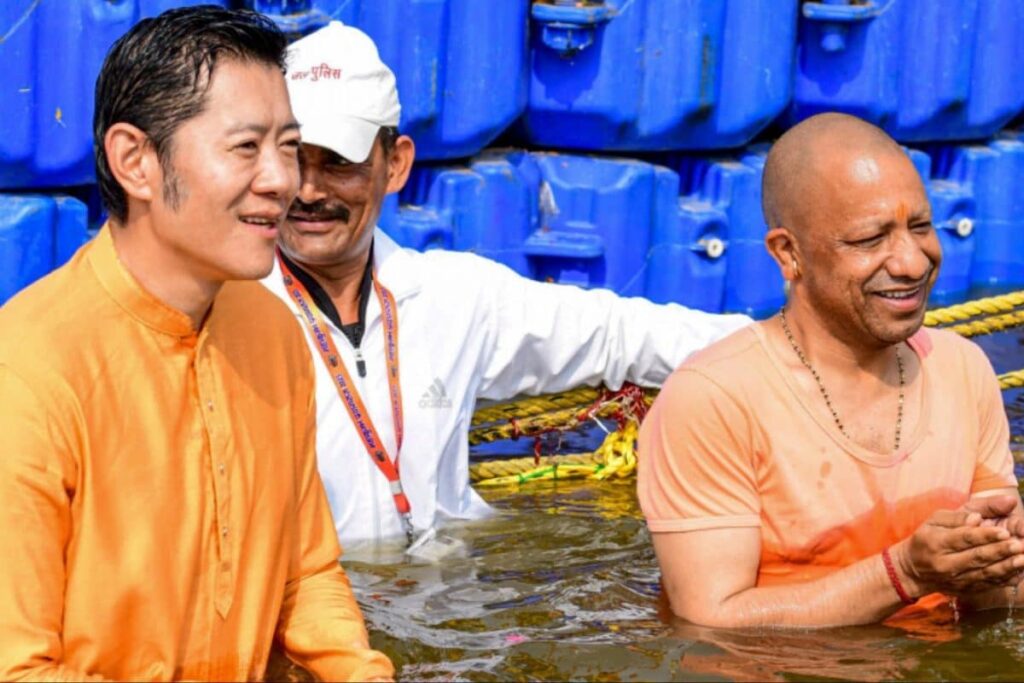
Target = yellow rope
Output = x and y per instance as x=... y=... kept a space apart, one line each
x=615 y=457
x=995 y=323
x=535 y=424
x=535 y=405
x=1012 y=380
x=972 y=309
x=618 y=451
x=529 y=426
x=492 y=469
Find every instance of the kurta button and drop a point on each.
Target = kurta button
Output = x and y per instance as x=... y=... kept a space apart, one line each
x=222 y=468
x=209 y=405
x=224 y=531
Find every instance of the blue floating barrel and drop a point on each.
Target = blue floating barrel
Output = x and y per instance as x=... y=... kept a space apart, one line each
x=488 y=207
x=686 y=263
x=587 y=221
x=37 y=234
x=732 y=185
x=954 y=216
x=923 y=70
x=51 y=52
x=568 y=219
x=657 y=74
x=460 y=64
x=597 y=220
x=992 y=173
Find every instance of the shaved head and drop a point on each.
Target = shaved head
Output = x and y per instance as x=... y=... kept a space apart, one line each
x=850 y=227
x=805 y=157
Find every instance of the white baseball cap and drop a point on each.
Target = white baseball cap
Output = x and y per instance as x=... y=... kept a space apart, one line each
x=341 y=93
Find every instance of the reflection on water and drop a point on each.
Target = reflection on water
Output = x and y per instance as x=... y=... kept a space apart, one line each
x=984 y=647
x=563 y=585
x=552 y=587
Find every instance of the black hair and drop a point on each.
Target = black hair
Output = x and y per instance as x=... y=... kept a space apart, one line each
x=156 y=77
x=388 y=136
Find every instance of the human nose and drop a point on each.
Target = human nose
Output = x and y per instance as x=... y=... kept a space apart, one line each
x=278 y=175
x=311 y=188
x=907 y=259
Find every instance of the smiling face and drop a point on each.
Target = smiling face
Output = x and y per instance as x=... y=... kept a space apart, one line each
x=331 y=221
x=232 y=173
x=330 y=224
x=870 y=251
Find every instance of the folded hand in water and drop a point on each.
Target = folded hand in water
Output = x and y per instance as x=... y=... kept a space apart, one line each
x=965 y=551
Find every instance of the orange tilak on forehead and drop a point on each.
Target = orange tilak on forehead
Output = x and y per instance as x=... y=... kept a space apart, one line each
x=902 y=212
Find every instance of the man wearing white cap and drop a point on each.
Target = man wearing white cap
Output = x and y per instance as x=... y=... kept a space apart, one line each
x=406 y=342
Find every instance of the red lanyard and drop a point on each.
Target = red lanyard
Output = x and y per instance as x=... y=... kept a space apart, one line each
x=347 y=390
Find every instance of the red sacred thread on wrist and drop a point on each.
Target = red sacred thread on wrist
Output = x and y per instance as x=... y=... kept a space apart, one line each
x=895 y=580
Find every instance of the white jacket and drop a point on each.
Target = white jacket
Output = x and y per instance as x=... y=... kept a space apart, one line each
x=471 y=328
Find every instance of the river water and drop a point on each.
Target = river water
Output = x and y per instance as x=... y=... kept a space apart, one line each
x=563 y=585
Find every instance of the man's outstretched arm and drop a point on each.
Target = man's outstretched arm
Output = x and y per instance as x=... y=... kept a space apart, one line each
x=710 y=574
x=551 y=337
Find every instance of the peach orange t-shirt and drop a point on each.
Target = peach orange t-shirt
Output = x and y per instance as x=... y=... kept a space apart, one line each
x=732 y=441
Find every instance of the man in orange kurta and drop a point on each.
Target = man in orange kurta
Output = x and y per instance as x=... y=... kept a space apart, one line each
x=829 y=464
x=160 y=508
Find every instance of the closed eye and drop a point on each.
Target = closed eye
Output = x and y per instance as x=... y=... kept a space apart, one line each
x=867 y=242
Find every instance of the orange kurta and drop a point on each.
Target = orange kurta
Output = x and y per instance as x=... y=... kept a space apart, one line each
x=160 y=508
x=733 y=441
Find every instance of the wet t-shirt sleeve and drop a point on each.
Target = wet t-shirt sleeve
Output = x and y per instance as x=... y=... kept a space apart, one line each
x=696 y=459
x=994 y=468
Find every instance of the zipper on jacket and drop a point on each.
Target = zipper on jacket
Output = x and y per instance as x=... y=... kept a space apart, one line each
x=360 y=362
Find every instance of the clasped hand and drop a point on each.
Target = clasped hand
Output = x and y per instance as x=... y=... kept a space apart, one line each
x=966 y=551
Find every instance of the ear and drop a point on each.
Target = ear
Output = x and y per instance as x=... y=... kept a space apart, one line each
x=400 y=163
x=783 y=248
x=133 y=161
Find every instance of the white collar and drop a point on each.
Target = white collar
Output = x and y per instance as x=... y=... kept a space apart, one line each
x=396 y=268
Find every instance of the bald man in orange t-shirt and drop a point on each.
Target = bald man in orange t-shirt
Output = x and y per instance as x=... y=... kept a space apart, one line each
x=833 y=463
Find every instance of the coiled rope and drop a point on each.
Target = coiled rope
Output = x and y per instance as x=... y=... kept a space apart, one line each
x=1003 y=303
x=535 y=406
x=1011 y=380
x=616 y=457
x=995 y=323
x=535 y=417
x=592 y=403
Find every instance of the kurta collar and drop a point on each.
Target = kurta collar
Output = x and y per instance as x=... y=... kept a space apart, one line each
x=129 y=294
